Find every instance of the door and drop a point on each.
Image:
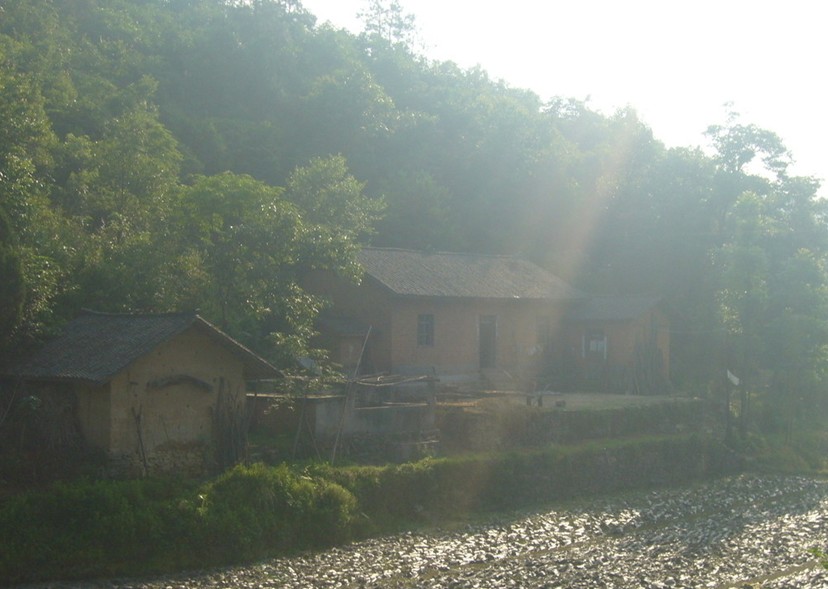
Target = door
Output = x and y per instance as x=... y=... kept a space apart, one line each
x=487 y=330
x=595 y=354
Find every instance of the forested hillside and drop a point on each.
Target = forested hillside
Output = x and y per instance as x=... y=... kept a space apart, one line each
x=172 y=154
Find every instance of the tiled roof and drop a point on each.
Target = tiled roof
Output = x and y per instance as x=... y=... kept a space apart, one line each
x=416 y=273
x=608 y=308
x=94 y=347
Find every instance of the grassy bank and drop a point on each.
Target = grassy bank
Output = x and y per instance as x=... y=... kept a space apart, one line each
x=112 y=528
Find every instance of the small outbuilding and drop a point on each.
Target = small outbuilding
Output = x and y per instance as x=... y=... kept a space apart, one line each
x=621 y=344
x=155 y=392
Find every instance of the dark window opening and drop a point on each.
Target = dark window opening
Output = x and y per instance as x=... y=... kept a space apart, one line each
x=425 y=330
x=487 y=329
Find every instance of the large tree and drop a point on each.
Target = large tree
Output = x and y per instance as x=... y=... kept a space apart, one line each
x=12 y=285
x=771 y=271
x=386 y=20
x=31 y=273
x=240 y=249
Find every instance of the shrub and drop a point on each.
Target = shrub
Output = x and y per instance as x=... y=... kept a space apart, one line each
x=253 y=510
x=92 y=528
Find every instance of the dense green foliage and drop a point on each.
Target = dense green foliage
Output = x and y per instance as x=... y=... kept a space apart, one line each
x=94 y=528
x=111 y=206
x=86 y=529
x=89 y=528
x=171 y=154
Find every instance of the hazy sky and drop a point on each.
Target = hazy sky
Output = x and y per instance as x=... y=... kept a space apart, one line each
x=675 y=62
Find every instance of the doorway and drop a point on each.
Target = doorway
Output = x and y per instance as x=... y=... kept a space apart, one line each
x=487 y=329
x=595 y=354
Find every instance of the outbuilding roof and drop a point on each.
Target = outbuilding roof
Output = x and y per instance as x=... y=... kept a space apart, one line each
x=94 y=347
x=459 y=275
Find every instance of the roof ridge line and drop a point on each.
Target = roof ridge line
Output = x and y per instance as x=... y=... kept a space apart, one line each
x=87 y=311
x=445 y=253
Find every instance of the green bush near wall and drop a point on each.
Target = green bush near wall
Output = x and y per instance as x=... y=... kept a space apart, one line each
x=252 y=511
x=449 y=487
x=115 y=528
x=100 y=528
x=94 y=528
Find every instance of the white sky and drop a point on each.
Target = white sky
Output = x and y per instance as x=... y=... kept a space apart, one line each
x=676 y=62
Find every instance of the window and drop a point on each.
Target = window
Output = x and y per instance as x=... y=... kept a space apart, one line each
x=487 y=334
x=425 y=330
x=595 y=344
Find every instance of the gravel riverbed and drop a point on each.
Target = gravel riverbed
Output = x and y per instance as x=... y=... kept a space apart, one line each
x=740 y=532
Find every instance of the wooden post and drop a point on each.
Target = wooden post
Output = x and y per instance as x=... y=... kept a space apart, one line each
x=346 y=405
x=727 y=416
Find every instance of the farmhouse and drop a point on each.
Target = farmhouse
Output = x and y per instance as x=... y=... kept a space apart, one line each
x=156 y=393
x=471 y=317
